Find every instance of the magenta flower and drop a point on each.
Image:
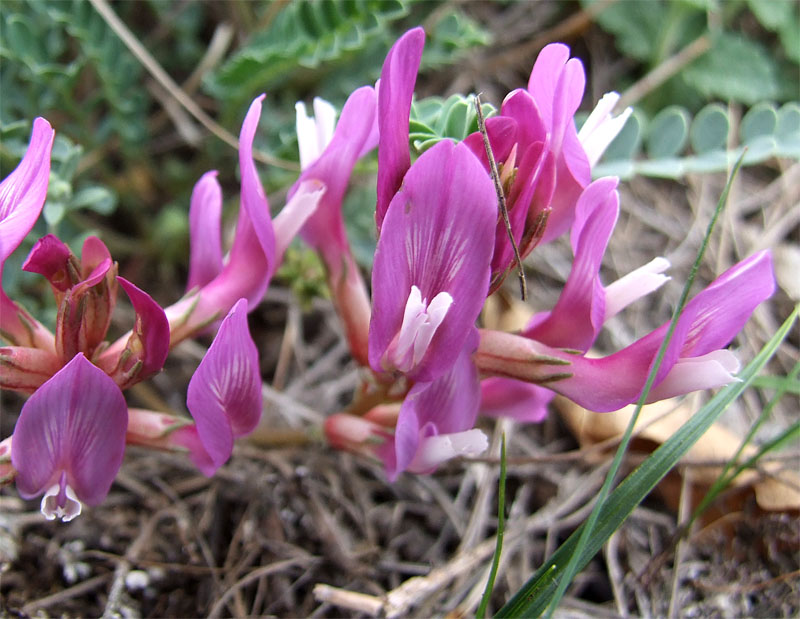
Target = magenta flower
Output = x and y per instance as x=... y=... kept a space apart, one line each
x=23 y=192
x=583 y=306
x=224 y=395
x=69 y=439
x=436 y=420
x=695 y=359
x=86 y=293
x=258 y=246
x=355 y=135
x=431 y=271
x=22 y=196
x=205 y=217
x=544 y=163
x=328 y=157
x=395 y=91
x=433 y=424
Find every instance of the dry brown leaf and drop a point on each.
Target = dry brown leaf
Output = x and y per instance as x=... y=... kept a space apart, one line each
x=776 y=488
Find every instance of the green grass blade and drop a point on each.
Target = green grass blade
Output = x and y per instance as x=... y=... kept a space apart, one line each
x=501 y=526
x=782 y=383
x=536 y=595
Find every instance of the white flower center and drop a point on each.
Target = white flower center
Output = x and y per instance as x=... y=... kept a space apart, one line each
x=601 y=128
x=60 y=501
x=434 y=450
x=314 y=134
x=420 y=322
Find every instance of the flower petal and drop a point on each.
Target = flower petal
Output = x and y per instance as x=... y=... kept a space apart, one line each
x=314 y=134
x=205 y=213
x=49 y=257
x=544 y=77
x=74 y=423
x=578 y=316
x=225 y=392
x=439 y=448
x=23 y=192
x=438 y=235
x=524 y=109
x=635 y=285
x=448 y=405
x=502 y=133
x=557 y=84
x=505 y=397
x=255 y=236
x=601 y=128
x=302 y=204
x=354 y=133
x=714 y=369
x=396 y=89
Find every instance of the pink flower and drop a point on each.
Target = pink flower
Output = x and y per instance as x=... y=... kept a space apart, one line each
x=544 y=164
x=22 y=196
x=86 y=293
x=695 y=359
x=431 y=271
x=328 y=156
x=224 y=394
x=436 y=421
x=433 y=424
x=258 y=246
x=69 y=439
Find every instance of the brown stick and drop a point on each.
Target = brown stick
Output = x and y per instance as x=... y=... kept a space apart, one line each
x=501 y=198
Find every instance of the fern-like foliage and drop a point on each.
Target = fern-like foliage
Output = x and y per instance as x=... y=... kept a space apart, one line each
x=60 y=56
x=303 y=34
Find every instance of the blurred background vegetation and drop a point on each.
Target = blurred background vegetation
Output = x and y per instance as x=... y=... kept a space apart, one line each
x=127 y=155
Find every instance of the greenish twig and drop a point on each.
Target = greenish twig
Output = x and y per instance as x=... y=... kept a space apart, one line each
x=501 y=525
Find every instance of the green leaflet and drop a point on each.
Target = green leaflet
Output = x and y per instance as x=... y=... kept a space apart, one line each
x=307 y=34
x=677 y=144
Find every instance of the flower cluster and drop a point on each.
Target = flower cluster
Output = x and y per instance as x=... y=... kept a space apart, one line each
x=442 y=249
x=70 y=437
